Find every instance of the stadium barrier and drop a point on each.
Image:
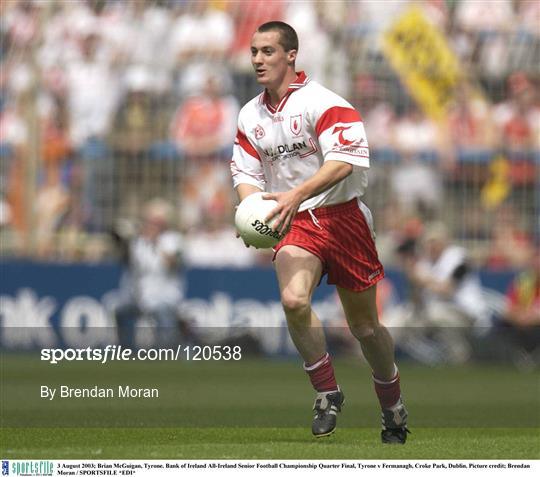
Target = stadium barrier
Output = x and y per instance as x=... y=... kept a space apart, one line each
x=57 y=304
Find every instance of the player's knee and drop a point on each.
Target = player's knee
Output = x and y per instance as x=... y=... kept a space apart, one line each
x=364 y=331
x=294 y=303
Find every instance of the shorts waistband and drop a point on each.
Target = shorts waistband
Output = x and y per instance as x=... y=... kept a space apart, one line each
x=329 y=210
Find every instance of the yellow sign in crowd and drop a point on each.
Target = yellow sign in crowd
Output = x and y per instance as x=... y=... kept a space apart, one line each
x=421 y=56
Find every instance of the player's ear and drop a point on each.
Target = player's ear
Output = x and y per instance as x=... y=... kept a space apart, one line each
x=291 y=56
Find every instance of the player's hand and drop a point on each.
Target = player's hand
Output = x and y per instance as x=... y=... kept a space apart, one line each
x=288 y=204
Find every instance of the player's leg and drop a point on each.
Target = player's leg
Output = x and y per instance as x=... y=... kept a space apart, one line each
x=299 y=272
x=378 y=348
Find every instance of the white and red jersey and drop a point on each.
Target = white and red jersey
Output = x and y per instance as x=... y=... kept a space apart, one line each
x=276 y=149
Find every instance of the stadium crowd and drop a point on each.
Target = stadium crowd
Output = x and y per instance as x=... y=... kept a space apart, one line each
x=108 y=103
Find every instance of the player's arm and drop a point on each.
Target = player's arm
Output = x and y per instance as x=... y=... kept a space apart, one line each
x=326 y=177
x=342 y=140
x=246 y=166
x=243 y=190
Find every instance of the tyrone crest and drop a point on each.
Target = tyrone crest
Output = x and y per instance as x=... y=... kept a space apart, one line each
x=259 y=132
x=296 y=124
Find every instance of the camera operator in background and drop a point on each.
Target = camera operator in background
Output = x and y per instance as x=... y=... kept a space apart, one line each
x=151 y=286
x=445 y=300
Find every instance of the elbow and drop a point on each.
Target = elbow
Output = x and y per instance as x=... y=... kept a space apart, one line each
x=345 y=170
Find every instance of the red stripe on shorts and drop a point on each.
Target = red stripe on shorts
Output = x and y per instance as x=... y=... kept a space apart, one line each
x=342 y=242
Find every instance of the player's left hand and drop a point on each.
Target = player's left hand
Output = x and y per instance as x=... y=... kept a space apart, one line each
x=288 y=204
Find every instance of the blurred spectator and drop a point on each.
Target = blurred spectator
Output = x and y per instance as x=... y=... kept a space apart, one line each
x=518 y=118
x=53 y=196
x=446 y=299
x=214 y=244
x=484 y=27
x=206 y=190
x=152 y=286
x=524 y=296
x=376 y=17
x=510 y=245
x=320 y=56
x=379 y=120
x=529 y=16
x=52 y=203
x=201 y=33
x=204 y=124
x=135 y=126
x=473 y=15
x=417 y=182
x=93 y=88
x=247 y=16
x=470 y=121
x=93 y=92
x=520 y=326
x=142 y=36
x=21 y=22
x=14 y=145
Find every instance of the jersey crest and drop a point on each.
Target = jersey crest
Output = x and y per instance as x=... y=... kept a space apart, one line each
x=258 y=132
x=296 y=124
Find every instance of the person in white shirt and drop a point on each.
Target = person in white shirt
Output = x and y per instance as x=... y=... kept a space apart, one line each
x=153 y=286
x=306 y=147
x=449 y=298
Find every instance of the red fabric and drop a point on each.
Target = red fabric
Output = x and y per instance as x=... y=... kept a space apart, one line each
x=198 y=116
x=300 y=80
x=343 y=244
x=336 y=114
x=388 y=393
x=248 y=16
x=246 y=145
x=517 y=131
x=322 y=377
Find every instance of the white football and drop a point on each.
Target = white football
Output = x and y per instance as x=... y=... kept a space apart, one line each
x=250 y=224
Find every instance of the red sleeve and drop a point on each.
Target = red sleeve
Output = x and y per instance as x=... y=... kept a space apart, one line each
x=336 y=114
x=244 y=143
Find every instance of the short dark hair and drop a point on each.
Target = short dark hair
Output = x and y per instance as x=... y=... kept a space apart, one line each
x=288 y=38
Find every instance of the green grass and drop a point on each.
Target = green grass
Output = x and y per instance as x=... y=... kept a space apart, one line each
x=265 y=443
x=260 y=409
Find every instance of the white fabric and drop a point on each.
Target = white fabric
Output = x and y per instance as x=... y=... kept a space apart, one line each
x=467 y=298
x=218 y=248
x=317 y=364
x=154 y=283
x=213 y=30
x=92 y=99
x=287 y=155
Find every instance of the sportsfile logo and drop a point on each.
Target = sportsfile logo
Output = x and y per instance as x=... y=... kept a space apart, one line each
x=28 y=467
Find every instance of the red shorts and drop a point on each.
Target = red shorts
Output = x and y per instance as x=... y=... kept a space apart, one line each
x=339 y=235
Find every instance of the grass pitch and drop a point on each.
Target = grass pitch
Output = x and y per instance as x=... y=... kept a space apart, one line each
x=265 y=443
x=260 y=409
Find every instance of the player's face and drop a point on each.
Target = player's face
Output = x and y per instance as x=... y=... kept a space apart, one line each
x=270 y=61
